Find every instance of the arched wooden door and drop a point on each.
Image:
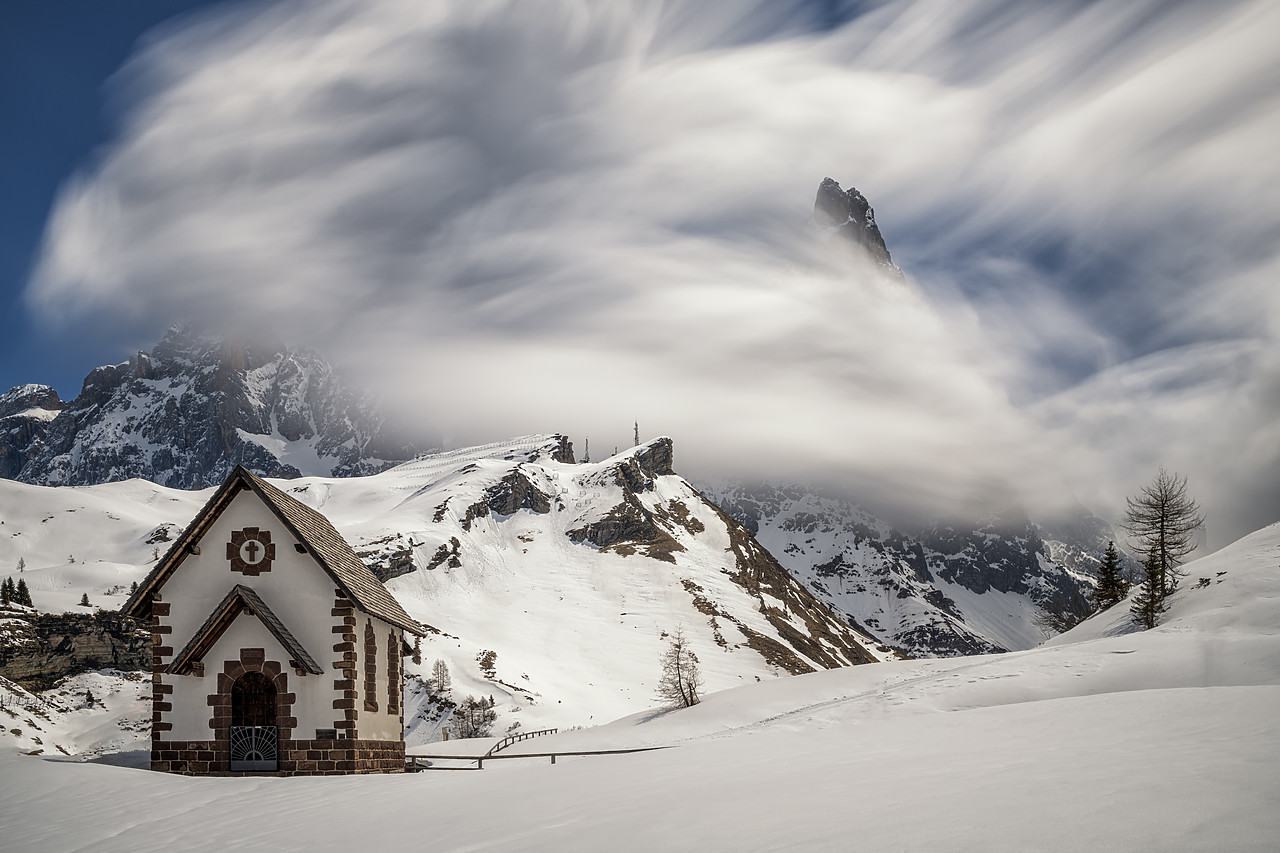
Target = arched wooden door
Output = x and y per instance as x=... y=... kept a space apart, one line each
x=253 y=723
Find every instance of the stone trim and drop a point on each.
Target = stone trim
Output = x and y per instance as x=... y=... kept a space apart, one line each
x=370 y=667
x=262 y=540
x=394 y=677
x=297 y=758
x=251 y=660
x=159 y=690
x=345 y=685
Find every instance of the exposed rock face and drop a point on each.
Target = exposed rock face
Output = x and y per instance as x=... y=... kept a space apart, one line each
x=51 y=647
x=563 y=451
x=946 y=589
x=25 y=414
x=850 y=216
x=645 y=524
x=514 y=493
x=23 y=398
x=186 y=413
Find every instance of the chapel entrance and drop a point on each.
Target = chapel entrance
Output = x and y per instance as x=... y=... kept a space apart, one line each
x=253 y=723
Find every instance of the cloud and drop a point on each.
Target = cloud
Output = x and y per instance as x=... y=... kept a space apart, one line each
x=514 y=217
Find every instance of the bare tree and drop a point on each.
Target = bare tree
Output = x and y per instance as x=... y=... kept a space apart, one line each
x=474 y=717
x=680 y=685
x=440 y=677
x=1161 y=520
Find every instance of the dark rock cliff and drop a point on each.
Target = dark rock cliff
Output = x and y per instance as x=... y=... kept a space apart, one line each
x=37 y=650
x=25 y=414
x=849 y=215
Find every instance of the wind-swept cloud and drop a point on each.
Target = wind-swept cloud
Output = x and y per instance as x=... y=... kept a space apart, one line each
x=566 y=215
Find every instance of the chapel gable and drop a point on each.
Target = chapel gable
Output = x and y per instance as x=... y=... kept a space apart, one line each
x=263 y=601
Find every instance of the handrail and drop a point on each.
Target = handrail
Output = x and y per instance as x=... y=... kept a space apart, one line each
x=422 y=762
x=516 y=738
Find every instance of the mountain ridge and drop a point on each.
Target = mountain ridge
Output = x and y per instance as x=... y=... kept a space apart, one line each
x=189 y=410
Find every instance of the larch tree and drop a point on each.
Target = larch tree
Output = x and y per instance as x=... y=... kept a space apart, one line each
x=680 y=685
x=1161 y=520
x=440 y=678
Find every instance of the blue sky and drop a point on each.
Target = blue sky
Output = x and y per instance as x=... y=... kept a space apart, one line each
x=55 y=61
x=509 y=217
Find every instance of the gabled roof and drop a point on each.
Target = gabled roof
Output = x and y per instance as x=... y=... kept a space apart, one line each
x=311 y=528
x=239 y=600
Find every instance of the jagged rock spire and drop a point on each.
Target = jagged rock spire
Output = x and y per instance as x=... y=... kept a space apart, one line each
x=849 y=215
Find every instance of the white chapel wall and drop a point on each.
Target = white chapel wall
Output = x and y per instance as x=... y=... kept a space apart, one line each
x=301 y=594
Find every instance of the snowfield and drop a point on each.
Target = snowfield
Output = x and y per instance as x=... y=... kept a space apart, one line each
x=576 y=631
x=1105 y=739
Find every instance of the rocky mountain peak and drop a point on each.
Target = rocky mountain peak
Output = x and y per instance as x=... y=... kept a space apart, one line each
x=186 y=412
x=23 y=398
x=849 y=215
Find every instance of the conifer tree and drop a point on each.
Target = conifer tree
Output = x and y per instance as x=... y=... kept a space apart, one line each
x=84 y=600
x=6 y=590
x=1149 y=603
x=1162 y=519
x=22 y=565
x=21 y=594
x=1112 y=587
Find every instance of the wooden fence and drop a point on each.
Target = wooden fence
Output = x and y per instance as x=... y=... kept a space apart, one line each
x=516 y=738
x=416 y=763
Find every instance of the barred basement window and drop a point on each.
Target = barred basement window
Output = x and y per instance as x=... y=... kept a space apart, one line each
x=370 y=667
x=393 y=674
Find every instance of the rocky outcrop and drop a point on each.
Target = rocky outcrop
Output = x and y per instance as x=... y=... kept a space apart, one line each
x=514 y=493
x=23 y=398
x=631 y=525
x=47 y=647
x=563 y=451
x=25 y=414
x=850 y=216
x=194 y=407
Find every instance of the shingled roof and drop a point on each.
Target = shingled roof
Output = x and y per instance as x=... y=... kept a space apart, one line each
x=239 y=600
x=311 y=528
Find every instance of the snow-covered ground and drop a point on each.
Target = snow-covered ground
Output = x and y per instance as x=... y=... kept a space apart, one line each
x=1105 y=739
x=576 y=632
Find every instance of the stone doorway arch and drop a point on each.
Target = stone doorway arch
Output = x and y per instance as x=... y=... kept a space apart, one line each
x=253 y=735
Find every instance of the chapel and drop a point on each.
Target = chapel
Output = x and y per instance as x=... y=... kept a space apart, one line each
x=275 y=649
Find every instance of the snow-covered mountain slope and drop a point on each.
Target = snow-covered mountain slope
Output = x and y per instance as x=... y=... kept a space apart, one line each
x=185 y=413
x=552 y=586
x=945 y=589
x=87 y=715
x=1107 y=739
